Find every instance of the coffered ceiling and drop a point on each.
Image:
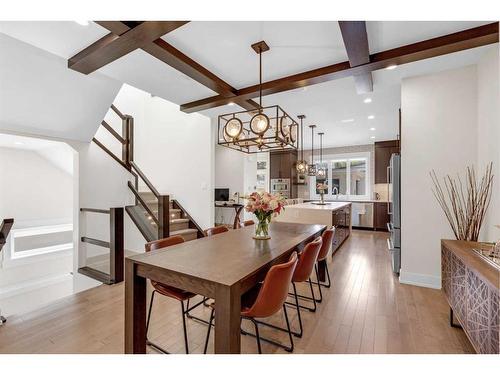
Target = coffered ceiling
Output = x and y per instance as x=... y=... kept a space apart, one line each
x=223 y=48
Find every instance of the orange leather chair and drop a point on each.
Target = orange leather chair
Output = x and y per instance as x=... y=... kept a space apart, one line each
x=303 y=271
x=215 y=230
x=248 y=223
x=169 y=291
x=323 y=254
x=265 y=300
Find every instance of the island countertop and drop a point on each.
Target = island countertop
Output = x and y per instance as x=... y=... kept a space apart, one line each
x=330 y=206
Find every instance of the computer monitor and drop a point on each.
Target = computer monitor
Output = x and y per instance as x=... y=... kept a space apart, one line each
x=221 y=195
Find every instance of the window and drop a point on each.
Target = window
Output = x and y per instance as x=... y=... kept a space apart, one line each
x=347 y=176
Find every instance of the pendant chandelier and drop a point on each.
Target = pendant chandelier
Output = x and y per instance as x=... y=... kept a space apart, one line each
x=262 y=129
x=311 y=168
x=301 y=163
x=321 y=172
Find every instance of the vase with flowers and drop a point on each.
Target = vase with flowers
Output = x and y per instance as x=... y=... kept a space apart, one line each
x=322 y=188
x=264 y=206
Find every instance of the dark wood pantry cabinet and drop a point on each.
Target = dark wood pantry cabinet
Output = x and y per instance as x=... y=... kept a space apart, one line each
x=383 y=152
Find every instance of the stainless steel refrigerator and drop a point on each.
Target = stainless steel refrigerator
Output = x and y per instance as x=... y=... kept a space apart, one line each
x=394 y=209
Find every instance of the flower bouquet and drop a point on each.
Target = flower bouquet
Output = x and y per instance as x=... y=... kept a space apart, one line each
x=264 y=206
x=322 y=188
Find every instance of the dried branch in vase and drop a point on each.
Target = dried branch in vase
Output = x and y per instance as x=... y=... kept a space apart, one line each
x=465 y=206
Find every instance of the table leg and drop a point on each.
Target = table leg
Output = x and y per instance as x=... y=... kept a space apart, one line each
x=227 y=320
x=135 y=310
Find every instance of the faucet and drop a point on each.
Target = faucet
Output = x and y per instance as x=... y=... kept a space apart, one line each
x=335 y=191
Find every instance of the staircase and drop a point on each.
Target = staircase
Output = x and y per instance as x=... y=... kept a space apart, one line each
x=155 y=215
x=180 y=223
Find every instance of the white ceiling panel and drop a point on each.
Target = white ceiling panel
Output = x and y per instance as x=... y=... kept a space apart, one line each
x=62 y=38
x=147 y=73
x=384 y=35
x=224 y=48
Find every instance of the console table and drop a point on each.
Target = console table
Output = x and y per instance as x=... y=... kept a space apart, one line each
x=237 y=208
x=471 y=286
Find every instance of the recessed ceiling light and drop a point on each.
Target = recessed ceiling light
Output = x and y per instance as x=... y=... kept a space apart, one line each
x=372 y=129
x=371 y=117
x=391 y=67
x=367 y=100
x=82 y=22
x=347 y=120
x=372 y=137
x=19 y=143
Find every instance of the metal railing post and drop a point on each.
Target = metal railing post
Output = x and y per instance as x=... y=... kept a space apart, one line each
x=164 y=216
x=116 y=244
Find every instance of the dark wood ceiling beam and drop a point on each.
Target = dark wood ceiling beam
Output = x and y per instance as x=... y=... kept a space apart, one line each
x=171 y=56
x=111 y=47
x=462 y=40
x=356 y=44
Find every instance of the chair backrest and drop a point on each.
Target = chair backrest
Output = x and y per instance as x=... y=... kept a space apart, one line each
x=164 y=242
x=307 y=260
x=327 y=243
x=247 y=223
x=274 y=290
x=215 y=230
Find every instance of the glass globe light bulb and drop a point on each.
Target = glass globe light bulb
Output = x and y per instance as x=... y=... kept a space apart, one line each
x=259 y=124
x=233 y=128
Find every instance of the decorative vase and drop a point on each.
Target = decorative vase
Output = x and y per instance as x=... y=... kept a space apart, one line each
x=322 y=197
x=262 y=229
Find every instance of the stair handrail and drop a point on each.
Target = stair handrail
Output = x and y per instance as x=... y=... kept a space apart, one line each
x=143 y=204
x=162 y=220
x=145 y=179
x=201 y=232
x=5 y=230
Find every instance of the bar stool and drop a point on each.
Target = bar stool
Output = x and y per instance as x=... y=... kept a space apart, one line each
x=265 y=300
x=302 y=273
x=215 y=230
x=169 y=291
x=322 y=256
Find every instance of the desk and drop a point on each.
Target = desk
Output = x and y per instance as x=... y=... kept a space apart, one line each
x=237 y=208
x=222 y=267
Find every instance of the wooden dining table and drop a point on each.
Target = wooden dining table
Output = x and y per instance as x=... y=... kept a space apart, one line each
x=222 y=267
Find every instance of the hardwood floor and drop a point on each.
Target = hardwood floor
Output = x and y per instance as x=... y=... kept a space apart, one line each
x=365 y=311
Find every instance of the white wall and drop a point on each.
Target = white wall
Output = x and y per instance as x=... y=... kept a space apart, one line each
x=34 y=192
x=488 y=115
x=439 y=131
x=39 y=95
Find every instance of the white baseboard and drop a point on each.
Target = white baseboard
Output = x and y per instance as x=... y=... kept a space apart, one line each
x=418 y=279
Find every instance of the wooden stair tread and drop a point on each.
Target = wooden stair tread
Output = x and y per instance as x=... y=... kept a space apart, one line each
x=183 y=231
x=175 y=221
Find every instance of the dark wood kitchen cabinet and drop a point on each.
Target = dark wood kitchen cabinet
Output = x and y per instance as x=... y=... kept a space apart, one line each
x=282 y=165
x=383 y=152
x=380 y=216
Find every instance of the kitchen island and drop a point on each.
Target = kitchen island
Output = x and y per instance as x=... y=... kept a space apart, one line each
x=337 y=214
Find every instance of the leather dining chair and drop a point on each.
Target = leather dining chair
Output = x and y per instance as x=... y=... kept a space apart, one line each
x=327 y=237
x=169 y=291
x=302 y=273
x=265 y=300
x=215 y=230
